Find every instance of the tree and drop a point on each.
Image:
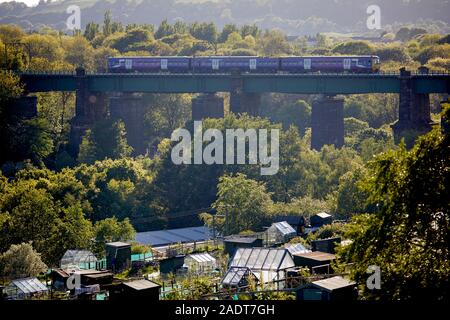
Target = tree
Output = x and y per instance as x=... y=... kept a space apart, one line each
x=204 y=31
x=20 y=139
x=164 y=30
x=354 y=48
x=297 y=114
x=243 y=202
x=107 y=139
x=226 y=31
x=166 y=113
x=107 y=23
x=408 y=236
x=112 y=230
x=79 y=52
x=351 y=199
x=21 y=261
x=91 y=31
x=274 y=43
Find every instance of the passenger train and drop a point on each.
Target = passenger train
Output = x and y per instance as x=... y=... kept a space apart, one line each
x=232 y=64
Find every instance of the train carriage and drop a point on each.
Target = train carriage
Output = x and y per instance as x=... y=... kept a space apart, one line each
x=234 y=64
x=331 y=64
x=149 y=64
x=247 y=64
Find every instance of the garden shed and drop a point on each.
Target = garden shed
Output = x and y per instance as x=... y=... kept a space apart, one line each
x=232 y=243
x=200 y=263
x=331 y=289
x=118 y=256
x=82 y=259
x=325 y=245
x=268 y=265
x=280 y=232
x=317 y=262
x=320 y=219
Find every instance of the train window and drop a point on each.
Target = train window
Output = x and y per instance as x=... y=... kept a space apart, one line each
x=252 y=64
x=128 y=64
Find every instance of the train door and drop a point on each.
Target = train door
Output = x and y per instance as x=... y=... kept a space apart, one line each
x=164 y=64
x=347 y=64
x=307 y=64
x=128 y=64
x=215 y=64
x=252 y=64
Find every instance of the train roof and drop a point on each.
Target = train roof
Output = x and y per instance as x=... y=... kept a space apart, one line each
x=253 y=57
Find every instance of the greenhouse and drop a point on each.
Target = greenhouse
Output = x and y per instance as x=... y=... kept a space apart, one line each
x=296 y=248
x=200 y=263
x=280 y=232
x=237 y=278
x=25 y=288
x=268 y=265
x=82 y=259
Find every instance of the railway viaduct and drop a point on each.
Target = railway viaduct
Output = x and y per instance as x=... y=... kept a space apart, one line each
x=94 y=91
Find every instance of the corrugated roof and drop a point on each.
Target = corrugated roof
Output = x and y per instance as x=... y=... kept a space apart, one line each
x=202 y=257
x=333 y=283
x=262 y=259
x=173 y=236
x=29 y=285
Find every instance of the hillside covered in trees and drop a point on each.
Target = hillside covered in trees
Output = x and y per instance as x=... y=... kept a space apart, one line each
x=55 y=201
x=299 y=17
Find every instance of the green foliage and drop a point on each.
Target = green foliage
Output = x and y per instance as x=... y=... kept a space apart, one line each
x=47 y=209
x=106 y=140
x=243 y=202
x=112 y=230
x=393 y=53
x=408 y=235
x=350 y=199
x=327 y=231
x=405 y=33
x=298 y=114
x=21 y=261
x=354 y=48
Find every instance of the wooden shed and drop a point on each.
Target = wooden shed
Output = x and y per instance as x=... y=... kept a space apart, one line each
x=320 y=219
x=232 y=243
x=136 y=290
x=317 y=262
x=331 y=289
x=118 y=256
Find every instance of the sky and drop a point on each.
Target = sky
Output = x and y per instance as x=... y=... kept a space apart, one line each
x=28 y=2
